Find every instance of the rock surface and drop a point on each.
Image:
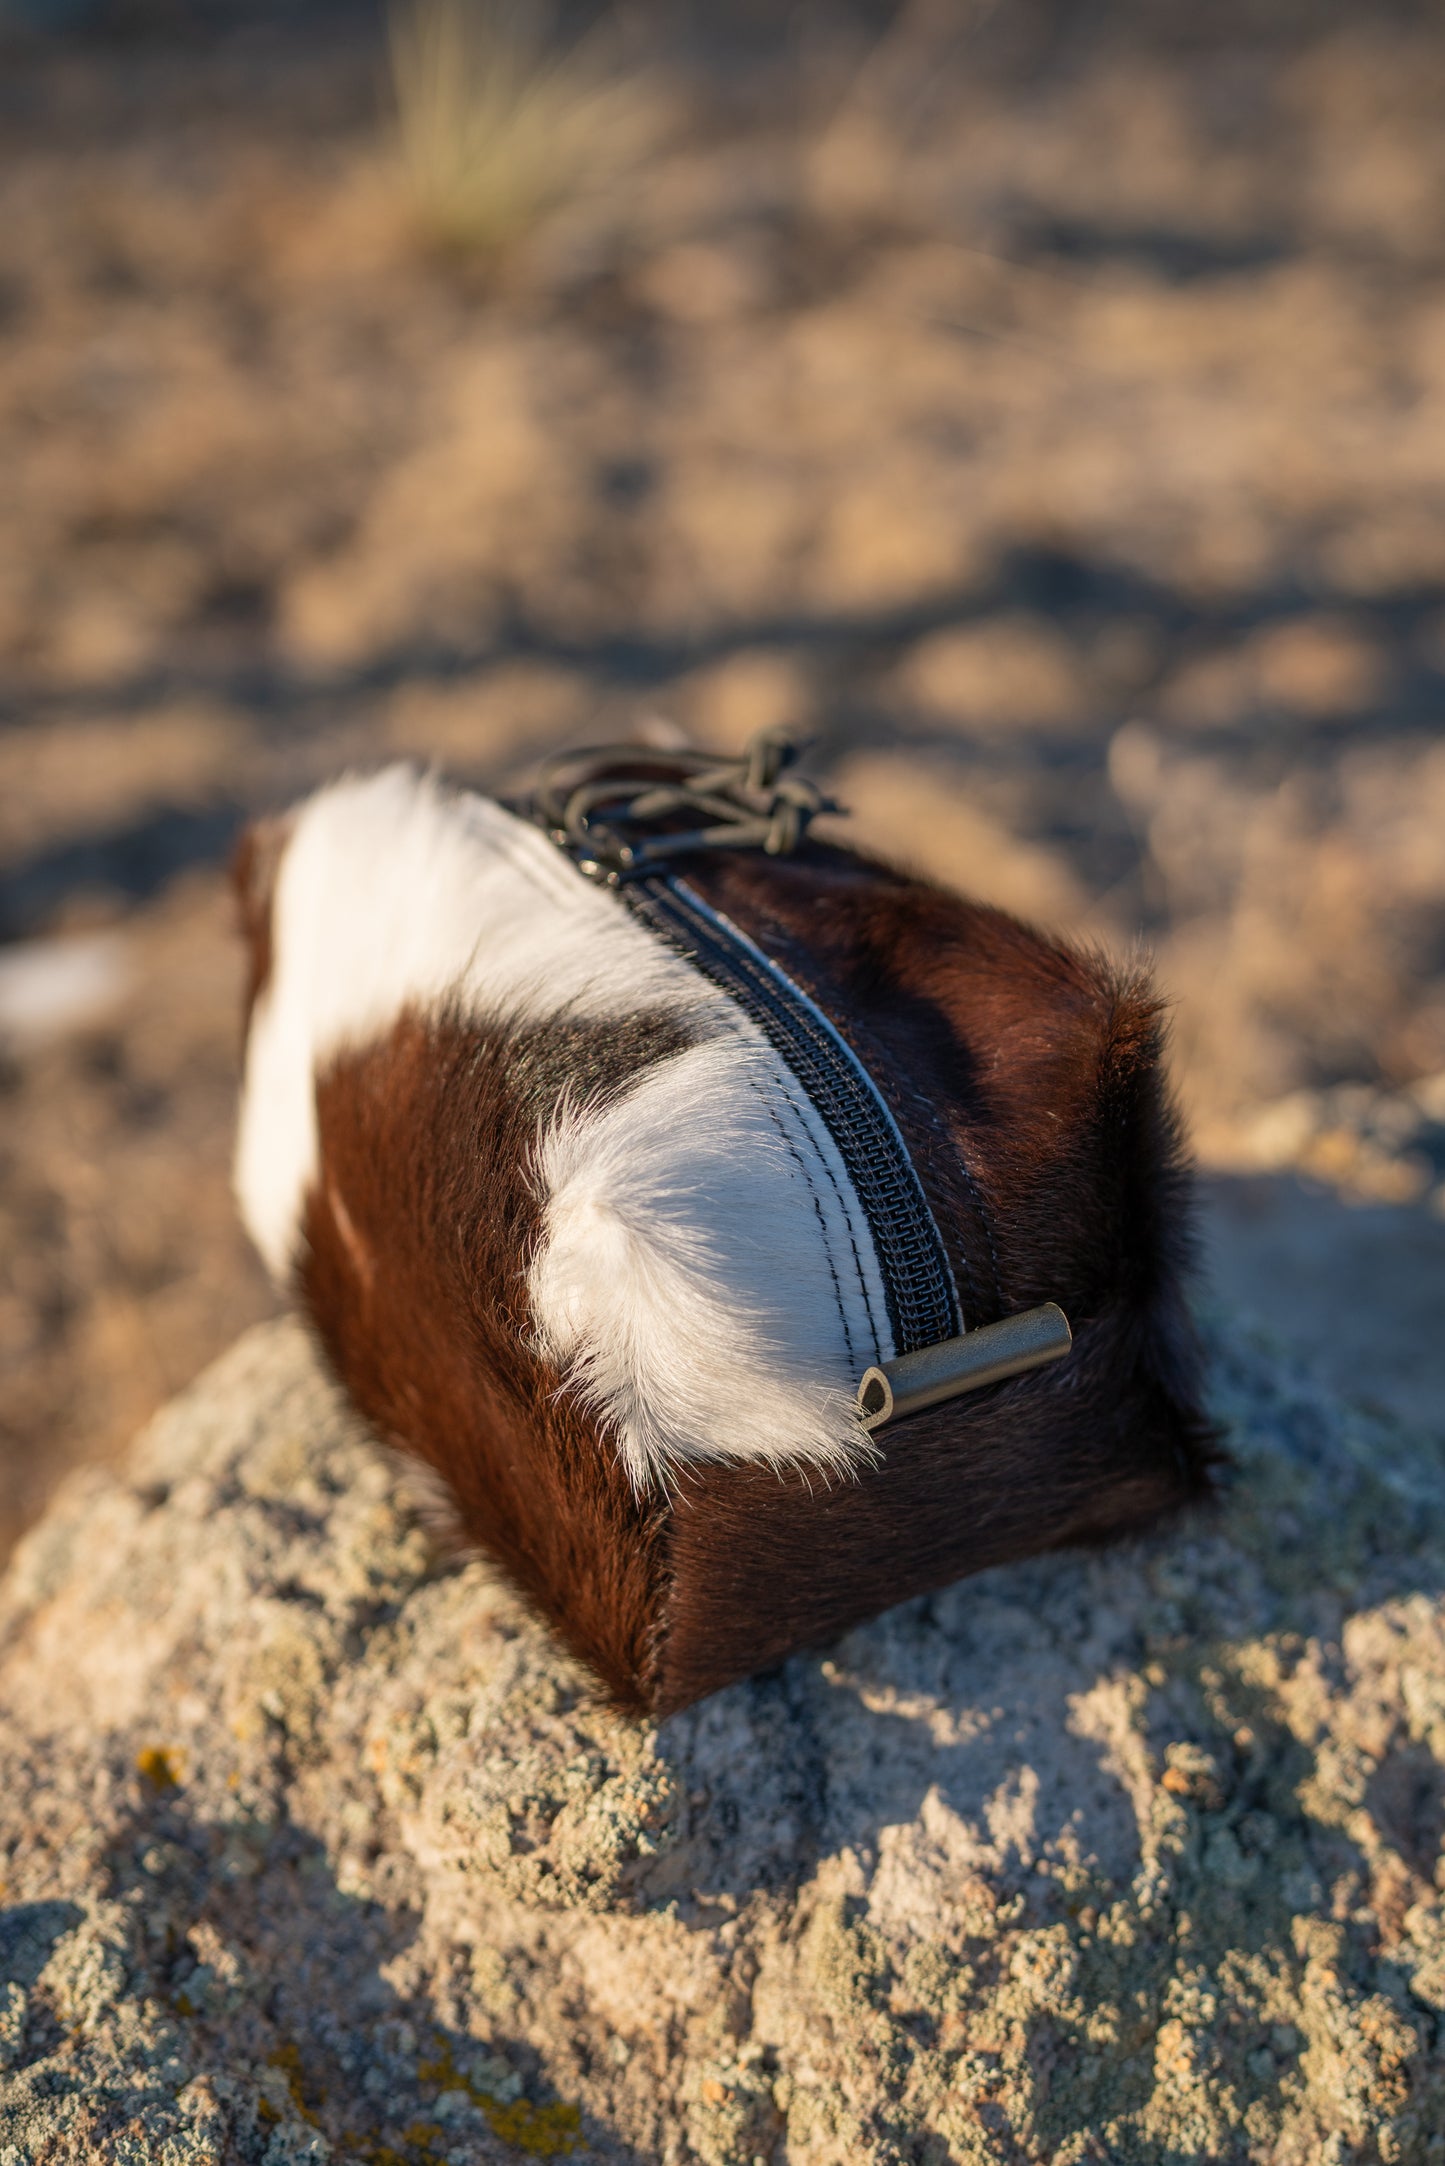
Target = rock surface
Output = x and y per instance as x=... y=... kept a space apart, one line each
x=315 y=1848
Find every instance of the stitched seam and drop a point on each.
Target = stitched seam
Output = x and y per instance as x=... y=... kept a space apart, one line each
x=801 y=1117
x=809 y=1047
x=742 y=1037
x=929 y=1117
x=753 y=966
x=800 y=1162
x=848 y=1224
x=784 y=1074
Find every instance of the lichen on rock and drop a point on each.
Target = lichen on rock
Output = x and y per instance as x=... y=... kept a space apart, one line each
x=316 y=1848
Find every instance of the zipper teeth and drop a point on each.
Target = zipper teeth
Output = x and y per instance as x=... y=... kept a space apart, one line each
x=918 y=1284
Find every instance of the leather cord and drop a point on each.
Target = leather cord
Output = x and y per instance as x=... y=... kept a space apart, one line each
x=624 y=809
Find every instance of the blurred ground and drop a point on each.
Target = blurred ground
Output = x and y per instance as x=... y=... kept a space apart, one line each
x=1046 y=407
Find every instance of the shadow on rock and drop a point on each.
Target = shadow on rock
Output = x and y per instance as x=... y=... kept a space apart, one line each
x=1134 y=1848
x=219 y=1996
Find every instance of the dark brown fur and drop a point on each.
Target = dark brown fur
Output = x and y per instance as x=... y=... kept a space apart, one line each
x=1026 y=1079
x=418 y=1237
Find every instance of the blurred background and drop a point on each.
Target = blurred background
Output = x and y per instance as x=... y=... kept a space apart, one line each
x=1042 y=406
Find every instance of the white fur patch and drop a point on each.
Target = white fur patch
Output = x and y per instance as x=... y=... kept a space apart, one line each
x=706 y=1277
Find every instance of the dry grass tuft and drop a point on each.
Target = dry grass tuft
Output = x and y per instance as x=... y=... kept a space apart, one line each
x=498 y=127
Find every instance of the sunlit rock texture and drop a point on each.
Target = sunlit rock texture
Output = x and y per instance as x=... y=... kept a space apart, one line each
x=314 y=1847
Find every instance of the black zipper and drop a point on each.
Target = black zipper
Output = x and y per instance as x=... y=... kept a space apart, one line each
x=918 y=1284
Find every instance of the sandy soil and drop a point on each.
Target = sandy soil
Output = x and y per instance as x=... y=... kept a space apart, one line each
x=1046 y=411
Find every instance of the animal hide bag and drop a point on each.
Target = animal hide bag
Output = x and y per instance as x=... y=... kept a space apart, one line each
x=608 y=1172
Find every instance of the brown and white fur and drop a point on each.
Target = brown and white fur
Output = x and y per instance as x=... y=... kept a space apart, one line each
x=568 y=1230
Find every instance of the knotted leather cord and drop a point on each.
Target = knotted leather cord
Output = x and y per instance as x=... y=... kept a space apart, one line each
x=619 y=812
x=617 y=805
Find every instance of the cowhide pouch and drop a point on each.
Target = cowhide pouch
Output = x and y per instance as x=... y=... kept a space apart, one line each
x=578 y=1226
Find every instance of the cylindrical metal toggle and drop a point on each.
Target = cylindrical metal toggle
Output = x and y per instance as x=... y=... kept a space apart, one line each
x=1027 y=1341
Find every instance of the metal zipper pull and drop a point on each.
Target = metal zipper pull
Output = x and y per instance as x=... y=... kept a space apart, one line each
x=899 y=1388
